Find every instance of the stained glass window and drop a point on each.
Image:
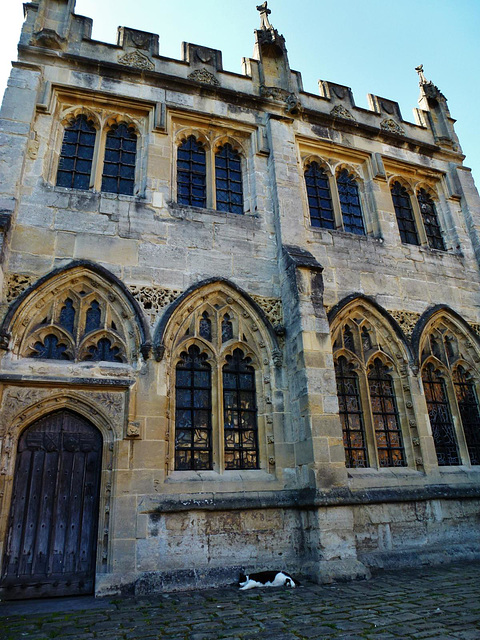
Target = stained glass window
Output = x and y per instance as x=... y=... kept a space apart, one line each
x=103 y=350
x=50 y=349
x=191 y=173
x=193 y=411
x=404 y=213
x=348 y=339
x=430 y=220
x=319 y=197
x=227 y=328
x=119 y=164
x=205 y=328
x=351 y=415
x=388 y=435
x=93 y=318
x=440 y=417
x=469 y=412
x=240 y=413
x=67 y=316
x=76 y=155
x=350 y=203
x=228 y=180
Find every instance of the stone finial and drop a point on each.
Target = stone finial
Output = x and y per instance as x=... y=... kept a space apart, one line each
x=264 y=13
x=421 y=75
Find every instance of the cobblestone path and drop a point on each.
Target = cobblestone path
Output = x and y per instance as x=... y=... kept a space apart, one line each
x=440 y=603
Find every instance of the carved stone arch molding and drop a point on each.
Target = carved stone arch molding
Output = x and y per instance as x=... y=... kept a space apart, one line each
x=84 y=311
x=365 y=312
x=449 y=326
x=23 y=406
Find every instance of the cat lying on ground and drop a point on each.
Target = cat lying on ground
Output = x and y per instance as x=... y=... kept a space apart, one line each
x=266 y=579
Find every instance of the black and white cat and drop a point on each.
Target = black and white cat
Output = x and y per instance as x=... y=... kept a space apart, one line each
x=266 y=579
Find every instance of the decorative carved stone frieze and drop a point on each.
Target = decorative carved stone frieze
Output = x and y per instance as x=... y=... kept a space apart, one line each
x=153 y=299
x=339 y=111
x=476 y=327
x=137 y=60
x=203 y=75
x=15 y=284
x=392 y=127
x=406 y=319
x=272 y=308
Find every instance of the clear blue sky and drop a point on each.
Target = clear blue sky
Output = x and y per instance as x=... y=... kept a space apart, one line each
x=372 y=46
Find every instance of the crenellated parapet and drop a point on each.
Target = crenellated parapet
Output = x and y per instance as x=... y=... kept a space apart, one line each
x=52 y=28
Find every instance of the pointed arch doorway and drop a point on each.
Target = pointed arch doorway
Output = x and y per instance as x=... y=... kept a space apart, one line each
x=52 y=529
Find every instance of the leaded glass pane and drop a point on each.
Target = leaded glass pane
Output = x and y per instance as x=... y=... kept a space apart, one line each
x=193 y=411
x=103 y=350
x=351 y=415
x=93 y=318
x=240 y=413
x=227 y=328
x=385 y=417
x=119 y=161
x=67 y=316
x=191 y=173
x=350 y=203
x=348 y=340
x=469 y=412
x=430 y=220
x=440 y=417
x=319 y=198
x=405 y=215
x=228 y=177
x=205 y=327
x=76 y=155
x=50 y=349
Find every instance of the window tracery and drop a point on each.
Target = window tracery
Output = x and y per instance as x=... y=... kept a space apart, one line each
x=210 y=173
x=99 y=151
x=76 y=316
x=450 y=382
x=368 y=358
x=237 y=355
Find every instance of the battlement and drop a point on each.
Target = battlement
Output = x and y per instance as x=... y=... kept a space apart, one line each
x=53 y=29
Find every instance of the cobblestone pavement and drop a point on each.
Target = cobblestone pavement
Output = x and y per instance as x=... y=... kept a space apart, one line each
x=440 y=603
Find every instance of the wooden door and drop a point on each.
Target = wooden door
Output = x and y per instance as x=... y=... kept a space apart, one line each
x=51 y=540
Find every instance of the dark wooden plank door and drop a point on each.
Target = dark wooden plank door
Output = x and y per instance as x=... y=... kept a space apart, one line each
x=51 y=541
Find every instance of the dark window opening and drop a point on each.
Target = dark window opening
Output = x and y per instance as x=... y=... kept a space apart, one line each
x=119 y=163
x=240 y=413
x=440 y=417
x=350 y=203
x=193 y=411
x=319 y=197
x=430 y=220
x=76 y=155
x=405 y=215
x=351 y=416
x=388 y=435
x=469 y=412
x=191 y=173
x=228 y=180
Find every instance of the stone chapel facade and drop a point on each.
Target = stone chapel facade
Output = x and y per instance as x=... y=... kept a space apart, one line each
x=240 y=323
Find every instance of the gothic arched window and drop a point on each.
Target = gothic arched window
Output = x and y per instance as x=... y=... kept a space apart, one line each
x=368 y=380
x=228 y=180
x=76 y=155
x=191 y=173
x=430 y=220
x=350 y=203
x=386 y=424
x=119 y=162
x=469 y=412
x=193 y=411
x=405 y=215
x=351 y=414
x=440 y=415
x=240 y=413
x=319 y=197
